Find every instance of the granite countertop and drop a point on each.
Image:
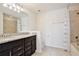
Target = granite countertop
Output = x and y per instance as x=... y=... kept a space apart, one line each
x=15 y=37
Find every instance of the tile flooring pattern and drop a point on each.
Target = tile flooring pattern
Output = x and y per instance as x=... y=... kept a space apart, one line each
x=74 y=51
x=50 y=51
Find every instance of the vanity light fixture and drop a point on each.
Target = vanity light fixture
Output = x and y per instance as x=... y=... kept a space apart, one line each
x=5 y=5
x=15 y=9
x=13 y=6
x=18 y=11
x=10 y=7
x=22 y=9
x=18 y=7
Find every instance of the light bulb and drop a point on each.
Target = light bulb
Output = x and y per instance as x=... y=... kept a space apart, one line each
x=18 y=11
x=18 y=7
x=15 y=9
x=22 y=9
x=5 y=5
x=10 y=7
x=13 y=5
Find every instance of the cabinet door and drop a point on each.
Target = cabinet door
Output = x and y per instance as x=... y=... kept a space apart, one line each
x=33 y=44
x=17 y=51
x=27 y=46
x=18 y=48
x=5 y=52
x=28 y=53
x=5 y=49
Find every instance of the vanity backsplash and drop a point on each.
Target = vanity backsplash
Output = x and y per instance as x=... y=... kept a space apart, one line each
x=5 y=35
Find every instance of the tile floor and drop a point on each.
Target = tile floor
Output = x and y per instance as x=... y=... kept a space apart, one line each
x=50 y=51
x=74 y=51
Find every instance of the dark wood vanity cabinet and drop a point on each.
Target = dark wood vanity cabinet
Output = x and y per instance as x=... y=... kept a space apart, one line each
x=30 y=45
x=27 y=46
x=5 y=49
x=33 y=44
x=5 y=52
x=20 y=47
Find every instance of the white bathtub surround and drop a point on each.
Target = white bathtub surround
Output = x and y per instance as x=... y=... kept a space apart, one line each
x=39 y=42
x=54 y=27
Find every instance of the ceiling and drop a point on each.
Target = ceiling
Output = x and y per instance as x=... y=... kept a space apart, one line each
x=43 y=7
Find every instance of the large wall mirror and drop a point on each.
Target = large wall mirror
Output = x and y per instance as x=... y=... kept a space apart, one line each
x=9 y=24
x=12 y=21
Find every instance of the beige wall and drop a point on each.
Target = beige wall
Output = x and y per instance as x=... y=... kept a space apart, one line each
x=74 y=25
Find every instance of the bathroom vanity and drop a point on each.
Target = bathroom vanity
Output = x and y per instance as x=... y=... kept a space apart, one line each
x=21 y=45
x=14 y=41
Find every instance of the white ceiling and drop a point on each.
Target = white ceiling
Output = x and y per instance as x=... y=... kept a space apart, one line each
x=43 y=7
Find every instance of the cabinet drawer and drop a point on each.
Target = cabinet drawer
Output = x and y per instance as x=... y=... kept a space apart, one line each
x=28 y=53
x=17 y=48
x=18 y=53
x=33 y=37
x=5 y=53
x=5 y=46
x=17 y=42
x=27 y=44
x=28 y=48
x=33 y=44
x=9 y=45
x=28 y=39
